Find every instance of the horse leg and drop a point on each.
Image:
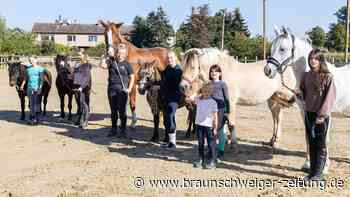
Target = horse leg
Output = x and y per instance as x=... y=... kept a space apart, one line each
x=45 y=102
x=155 y=137
x=22 y=100
x=189 y=121
x=70 y=98
x=232 y=126
x=132 y=95
x=306 y=165
x=61 y=95
x=276 y=112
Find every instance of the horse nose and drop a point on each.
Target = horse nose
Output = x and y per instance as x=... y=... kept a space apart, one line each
x=267 y=71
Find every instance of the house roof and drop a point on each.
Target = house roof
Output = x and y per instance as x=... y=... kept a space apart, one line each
x=57 y=28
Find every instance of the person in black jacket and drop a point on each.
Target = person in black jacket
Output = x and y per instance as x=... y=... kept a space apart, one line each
x=171 y=78
x=120 y=83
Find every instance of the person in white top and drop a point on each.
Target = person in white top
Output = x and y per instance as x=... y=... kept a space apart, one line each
x=206 y=125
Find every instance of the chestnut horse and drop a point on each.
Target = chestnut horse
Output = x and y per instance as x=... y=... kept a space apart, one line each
x=136 y=56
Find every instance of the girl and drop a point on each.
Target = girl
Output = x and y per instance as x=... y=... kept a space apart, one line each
x=171 y=78
x=82 y=78
x=221 y=96
x=206 y=125
x=318 y=92
x=34 y=77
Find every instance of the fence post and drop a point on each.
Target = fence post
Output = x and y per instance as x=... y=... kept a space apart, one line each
x=333 y=60
x=256 y=58
x=245 y=59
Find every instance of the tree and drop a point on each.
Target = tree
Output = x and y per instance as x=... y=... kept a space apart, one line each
x=47 y=47
x=142 y=33
x=160 y=28
x=318 y=36
x=238 y=23
x=97 y=51
x=336 y=37
x=341 y=15
x=194 y=33
x=243 y=46
x=2 y=25
x=17 y=41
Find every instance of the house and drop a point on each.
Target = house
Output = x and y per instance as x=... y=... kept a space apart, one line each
x=73 y=34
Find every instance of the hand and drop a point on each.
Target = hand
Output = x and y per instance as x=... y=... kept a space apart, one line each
x=21 y=88
x=126 y=90
x=80 y=89
x=319 y=120
x=298 y=94
x=215 y=131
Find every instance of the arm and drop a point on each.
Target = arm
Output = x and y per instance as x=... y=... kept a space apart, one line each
x=104 y=63
x=328 y=102
x=215 y=123
x=131 y=83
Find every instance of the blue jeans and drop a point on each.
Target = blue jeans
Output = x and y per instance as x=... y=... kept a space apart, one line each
x=34 y=104
x=207 y=132
x=169 y=121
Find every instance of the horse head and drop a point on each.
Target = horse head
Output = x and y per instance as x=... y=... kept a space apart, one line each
x=148 y=75
x=112 y=35
x=16 y=71
x=282 y=52
x=196 y=64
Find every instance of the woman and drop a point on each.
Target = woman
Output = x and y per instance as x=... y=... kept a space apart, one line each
x=82 y=78
x=170 y=89
x=318 y=92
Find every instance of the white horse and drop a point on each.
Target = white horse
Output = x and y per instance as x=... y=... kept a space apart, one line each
x=246 y=83
x=290 y=51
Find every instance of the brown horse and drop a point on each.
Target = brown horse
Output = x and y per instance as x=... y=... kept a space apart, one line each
x=136 y=56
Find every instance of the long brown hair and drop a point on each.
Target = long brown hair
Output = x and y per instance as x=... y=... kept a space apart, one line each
x=317 y=54
x=216 y=68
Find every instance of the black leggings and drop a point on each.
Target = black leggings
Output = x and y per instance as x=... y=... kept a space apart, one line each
x=316 y=135
x=117 y=102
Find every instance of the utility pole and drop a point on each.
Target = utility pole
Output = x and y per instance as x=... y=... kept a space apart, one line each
x=347 y=32
x=223 y=29
x=264 y=28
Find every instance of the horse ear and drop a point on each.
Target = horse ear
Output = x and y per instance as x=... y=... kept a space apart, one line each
x=118 y=24
x=101 y=22
x=284 y=30
x=277 y=31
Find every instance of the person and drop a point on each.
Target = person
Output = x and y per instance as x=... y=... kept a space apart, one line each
x=206 y=125
x=221 y=96
x=170 y=90
x=82 y=78
x=34 y=77
x=120 y=83
x=318 y=93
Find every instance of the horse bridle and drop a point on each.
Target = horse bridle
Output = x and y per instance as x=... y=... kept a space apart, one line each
x=281 y=67
x=200 y=76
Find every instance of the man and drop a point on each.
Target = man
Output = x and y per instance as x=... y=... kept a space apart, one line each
x=120 y=82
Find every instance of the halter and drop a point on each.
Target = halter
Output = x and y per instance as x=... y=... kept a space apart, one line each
x=281 y=67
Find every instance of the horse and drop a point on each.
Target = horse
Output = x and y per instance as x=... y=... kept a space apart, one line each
x=150 y=82
x=64 y=85
x=17 y=73
x=290 y=51
x=136 y=56
x=246 y=83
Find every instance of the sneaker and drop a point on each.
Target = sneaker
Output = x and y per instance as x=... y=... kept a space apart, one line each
x=112 y=132
x=210 y=165
x=198 y=163
x=319 y=177
x=170 y=146
x=307 y=178
x=122 y=134
x=164 y=144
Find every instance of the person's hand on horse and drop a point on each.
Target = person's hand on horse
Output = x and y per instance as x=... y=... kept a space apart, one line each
x=298 y=94
x=215 y=131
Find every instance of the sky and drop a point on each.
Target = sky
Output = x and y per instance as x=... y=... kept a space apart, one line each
x=299 y=15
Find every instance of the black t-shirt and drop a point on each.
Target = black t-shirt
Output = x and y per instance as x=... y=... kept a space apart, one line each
x=125 y=70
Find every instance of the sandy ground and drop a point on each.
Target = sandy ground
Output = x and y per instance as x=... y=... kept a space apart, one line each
x=58 y=159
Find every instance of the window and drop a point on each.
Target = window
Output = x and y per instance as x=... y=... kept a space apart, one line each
x=45 y=37
x=71 y=38
x=92 y=38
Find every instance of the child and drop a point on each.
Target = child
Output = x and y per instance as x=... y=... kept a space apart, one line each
x=318 y=92
x=221 y=96
x=206 y=125
x=34 y=77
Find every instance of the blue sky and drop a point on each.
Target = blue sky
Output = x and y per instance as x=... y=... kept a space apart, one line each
x=298 y=15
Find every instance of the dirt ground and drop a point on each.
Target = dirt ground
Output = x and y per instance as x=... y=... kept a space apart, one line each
x=59 y=159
